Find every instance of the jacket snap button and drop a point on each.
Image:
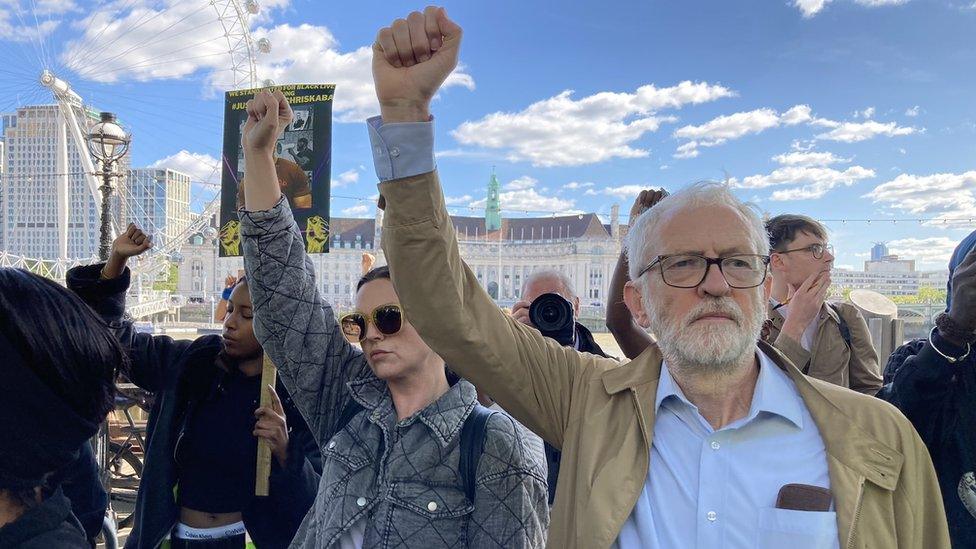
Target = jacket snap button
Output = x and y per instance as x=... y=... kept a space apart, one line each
x=361 y=502
x=332 y=445
x=432 y=506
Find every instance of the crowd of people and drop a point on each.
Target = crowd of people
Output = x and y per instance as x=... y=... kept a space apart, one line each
x=756 y=415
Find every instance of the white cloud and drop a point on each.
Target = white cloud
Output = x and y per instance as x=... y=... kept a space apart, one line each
x=624 y=192
x=806 y=182
x=310 y=53
x=457 y=200
x=151 y=41
x=522 y=183
x=347 y=177
x=28 y=30
x=810 y=8
x=733 y=126
x=359 y=210
x=935 y=250
x=687 y=150
x=174 y=39
x=563 y=131
x=867 y=113
x=577 y=185
x=853 y=132
x=809 y=158
x=202 y=168
x=529 y=200
x=947 y=195
x=913 y=111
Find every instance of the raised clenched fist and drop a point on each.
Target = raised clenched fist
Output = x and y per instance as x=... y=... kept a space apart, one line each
x=131 y=242
x=411 y=59
x=646 y=200
x=268 y=114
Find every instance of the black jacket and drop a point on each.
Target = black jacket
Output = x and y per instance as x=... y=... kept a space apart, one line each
x=939 y=399
x=45 y=526
x=82 y=486
x=180 y=374
x=586 y=342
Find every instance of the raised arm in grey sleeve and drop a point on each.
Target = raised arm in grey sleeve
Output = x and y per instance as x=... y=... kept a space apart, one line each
x=293 y=324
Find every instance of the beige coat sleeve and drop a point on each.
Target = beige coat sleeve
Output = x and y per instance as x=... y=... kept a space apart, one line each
x=531 y=376
x=865 y=371
x=793 y=350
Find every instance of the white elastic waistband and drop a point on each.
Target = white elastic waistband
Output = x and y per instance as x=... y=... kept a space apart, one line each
x=182 y=531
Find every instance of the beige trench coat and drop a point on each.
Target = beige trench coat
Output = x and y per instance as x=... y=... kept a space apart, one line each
x=601 y=413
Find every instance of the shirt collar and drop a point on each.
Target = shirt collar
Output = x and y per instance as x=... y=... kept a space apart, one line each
x=774 y=393
x=444 y=417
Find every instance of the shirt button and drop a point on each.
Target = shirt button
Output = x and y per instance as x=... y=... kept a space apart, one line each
x=432 y=506
x=361 y=502
x=715 y=445
x=332 y=445
x=712 y=516
x=394 y=152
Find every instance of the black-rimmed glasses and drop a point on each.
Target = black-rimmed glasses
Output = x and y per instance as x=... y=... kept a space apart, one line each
x=816 y=249
x=741 y=271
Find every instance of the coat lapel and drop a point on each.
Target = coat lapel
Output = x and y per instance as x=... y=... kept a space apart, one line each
x=853 y=455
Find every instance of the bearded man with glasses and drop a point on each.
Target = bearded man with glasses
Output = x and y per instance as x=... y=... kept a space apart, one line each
x=706 y=439
x=828 y=341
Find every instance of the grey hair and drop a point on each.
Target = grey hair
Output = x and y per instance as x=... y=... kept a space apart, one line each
x=567 y=284
x=643 y=238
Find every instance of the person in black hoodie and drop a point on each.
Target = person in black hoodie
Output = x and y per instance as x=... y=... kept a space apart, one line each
x=197 y=487
x=58 y=369
x=933 y=382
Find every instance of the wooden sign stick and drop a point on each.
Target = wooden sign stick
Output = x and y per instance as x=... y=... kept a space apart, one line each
x=268 y=378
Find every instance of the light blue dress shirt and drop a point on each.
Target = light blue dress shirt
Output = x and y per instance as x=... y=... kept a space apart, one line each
x=717 y=489
x=706 y=489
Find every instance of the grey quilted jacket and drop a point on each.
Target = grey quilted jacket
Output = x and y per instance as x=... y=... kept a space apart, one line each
x=397 y=481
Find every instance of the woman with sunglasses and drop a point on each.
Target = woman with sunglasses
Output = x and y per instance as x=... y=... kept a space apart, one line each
x=391 y=426
x=197 y=486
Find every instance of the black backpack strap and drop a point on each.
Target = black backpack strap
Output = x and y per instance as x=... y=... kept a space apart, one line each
x=845 y=330
x=472 y=446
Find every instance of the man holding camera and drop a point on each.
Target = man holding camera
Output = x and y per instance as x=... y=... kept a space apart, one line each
x=549 y=304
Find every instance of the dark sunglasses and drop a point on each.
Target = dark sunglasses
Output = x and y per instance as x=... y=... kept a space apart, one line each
x=388 y=319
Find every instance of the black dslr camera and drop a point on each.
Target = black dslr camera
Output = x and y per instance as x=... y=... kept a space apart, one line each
x=552 y=314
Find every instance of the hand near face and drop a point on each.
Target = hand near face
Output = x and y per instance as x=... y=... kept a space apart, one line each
x=520 y=312
x=805 y=304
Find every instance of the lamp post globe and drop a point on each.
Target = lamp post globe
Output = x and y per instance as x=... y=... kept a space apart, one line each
x=107 y=143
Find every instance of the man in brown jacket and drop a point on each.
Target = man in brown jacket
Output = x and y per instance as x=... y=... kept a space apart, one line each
x=704 y=440
x=828 y=341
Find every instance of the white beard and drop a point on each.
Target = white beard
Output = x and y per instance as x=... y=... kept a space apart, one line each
x=703 y=348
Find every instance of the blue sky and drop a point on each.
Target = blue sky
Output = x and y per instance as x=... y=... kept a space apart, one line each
x=840 y=109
